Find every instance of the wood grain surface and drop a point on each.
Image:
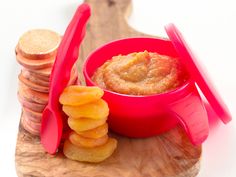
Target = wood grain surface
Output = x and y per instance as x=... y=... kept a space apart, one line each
x=167 y=155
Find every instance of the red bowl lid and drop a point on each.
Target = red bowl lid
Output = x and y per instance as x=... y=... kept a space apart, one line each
x=197 y=73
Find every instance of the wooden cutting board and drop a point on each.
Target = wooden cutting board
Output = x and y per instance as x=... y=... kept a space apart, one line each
x=167 y=155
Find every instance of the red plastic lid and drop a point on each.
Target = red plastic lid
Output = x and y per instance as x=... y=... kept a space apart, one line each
x=197 y=73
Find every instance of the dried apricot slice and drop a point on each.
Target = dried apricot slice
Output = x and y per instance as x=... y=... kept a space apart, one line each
x=94 y=110
x=96 y=154
x=79 y=95
x=81 y=141
x=96 y=132
x=82 y=124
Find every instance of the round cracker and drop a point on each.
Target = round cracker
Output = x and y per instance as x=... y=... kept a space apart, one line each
x=35 y=79
x=35 y=75
x=32 y=115
x=31 y=95
x=35 y=64
x=39 y=43
x=34 y=125
x=32 y=85
x=31 y=105
x=28 y=128
x=45 y=72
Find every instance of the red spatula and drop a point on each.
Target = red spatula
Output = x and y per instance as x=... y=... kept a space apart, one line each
x=68 y=51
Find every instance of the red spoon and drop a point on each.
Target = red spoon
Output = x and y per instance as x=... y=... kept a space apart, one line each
x=68 y=51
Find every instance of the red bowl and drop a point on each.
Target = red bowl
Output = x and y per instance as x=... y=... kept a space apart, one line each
x=144 y=116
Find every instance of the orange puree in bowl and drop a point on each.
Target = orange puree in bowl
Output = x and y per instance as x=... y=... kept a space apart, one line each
x=140 y=73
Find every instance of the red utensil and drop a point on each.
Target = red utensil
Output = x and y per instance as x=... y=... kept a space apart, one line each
x=198 y=74
x=68 y=51
x=197 y=130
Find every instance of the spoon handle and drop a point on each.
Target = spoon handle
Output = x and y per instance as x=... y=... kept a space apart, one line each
x=67 y=54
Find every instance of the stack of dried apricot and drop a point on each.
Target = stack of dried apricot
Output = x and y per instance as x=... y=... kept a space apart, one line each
x=87 y=111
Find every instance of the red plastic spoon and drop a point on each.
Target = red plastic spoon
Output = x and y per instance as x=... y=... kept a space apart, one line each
x=68 y=51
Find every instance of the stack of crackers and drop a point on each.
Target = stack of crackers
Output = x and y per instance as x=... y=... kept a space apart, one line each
x=36 y=51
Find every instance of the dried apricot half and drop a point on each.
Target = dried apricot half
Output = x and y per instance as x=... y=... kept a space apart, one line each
x=96 y=154
x=83 y=124
x=96 y=132
x=94 y=110
x=81 y=141
x=78 y=95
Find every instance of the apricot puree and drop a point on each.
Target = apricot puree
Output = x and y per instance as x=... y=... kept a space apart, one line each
x=140 y=73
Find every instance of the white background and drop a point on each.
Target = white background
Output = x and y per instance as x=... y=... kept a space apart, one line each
x=208 y=25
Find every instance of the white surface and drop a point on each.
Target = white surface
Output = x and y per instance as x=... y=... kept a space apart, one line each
x=209 y=26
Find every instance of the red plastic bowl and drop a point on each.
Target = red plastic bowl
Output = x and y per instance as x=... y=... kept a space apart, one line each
x=144 y=116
